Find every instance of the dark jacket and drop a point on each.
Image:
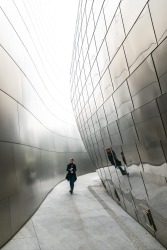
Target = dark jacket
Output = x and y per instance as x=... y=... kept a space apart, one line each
x=71 y=175
x=113 y=159
x=73 y=166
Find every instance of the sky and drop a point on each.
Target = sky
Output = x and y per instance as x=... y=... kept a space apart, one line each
x=54 y=23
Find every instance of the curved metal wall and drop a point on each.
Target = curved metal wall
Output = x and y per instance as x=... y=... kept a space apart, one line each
x=35 y=143
x=119 y=95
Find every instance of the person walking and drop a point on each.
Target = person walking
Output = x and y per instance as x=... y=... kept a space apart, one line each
x=114 y=160
x=71 y=168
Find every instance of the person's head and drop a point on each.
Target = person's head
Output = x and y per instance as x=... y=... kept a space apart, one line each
x=71 y=160
x=108 y=150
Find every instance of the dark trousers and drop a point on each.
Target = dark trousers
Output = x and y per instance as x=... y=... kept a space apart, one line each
x=123 y=172
x=72 y=179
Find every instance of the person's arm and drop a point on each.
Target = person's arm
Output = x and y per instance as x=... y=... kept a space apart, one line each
x=67 y=168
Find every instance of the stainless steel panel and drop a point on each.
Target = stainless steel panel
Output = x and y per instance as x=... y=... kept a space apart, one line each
x=95 y=74
x=84 y=24
x=143 y=84
x=110 y=8
x=90 y=126
x=97 y=5
x=14 y=49
x=8 y=185
x=93 y=155
x=127 y=192
x=92 y=104
x=100 y=30
x=103 y=176
x=82 y=78
x=60 y=143
x=119 y=69
x=81 y=82
x=103 y=58
x=106 y=137
x=164 y=147
x=94 y=138
x=152 y=157
x=123 y=101
x=156 y=189
x=5 y=227
x=9 y=127
x=132 y=7
x=160 y=59
x=30 y=128
x=84 y=115
x=127 y=129
x=106 y=85
x=95 y=122
x=62 y=160
x=83 y=163
x=75 y=145
x=82 y=103
x=163 y=109
x=131 y=156
x=110 y=110
x=115 y=34
x=87 y=110
x=83 y=4
x=16 y=219
x=47 y=180
x=98 y=96
x=87 y=66
x=99 y=160
x=92 y=51
x=88 y=7
x=89 y=86
x=137 y=46
x=85 y=46
x=79 y=42
x=158 y=9
x=107 y=180
x=98 y=136
x=47 y=139
x=102 y=153
x=102 y=117
x=148 y=122
x=114 y=134
x=115 y=188
x=28 y=171
x=10 y=83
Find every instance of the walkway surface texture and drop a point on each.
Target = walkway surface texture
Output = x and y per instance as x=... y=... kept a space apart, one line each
x=87 y=220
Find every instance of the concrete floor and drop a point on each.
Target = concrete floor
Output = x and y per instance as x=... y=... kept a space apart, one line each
x=87 y=220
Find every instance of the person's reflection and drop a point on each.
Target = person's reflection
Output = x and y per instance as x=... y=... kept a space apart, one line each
x=114 y=161
x=123 y=158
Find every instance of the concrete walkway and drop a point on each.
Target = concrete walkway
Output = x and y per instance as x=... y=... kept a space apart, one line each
x=87 y=220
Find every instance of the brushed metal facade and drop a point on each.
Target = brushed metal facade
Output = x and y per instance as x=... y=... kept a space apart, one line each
x=35 y=143
x=119 y=97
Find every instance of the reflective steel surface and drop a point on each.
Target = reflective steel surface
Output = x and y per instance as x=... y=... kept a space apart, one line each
x=37 y=134
x=125 y=104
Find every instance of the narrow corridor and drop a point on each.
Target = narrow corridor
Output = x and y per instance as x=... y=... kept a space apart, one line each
x=87 y=220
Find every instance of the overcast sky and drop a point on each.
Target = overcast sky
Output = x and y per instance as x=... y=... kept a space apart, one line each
x=54 y=21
